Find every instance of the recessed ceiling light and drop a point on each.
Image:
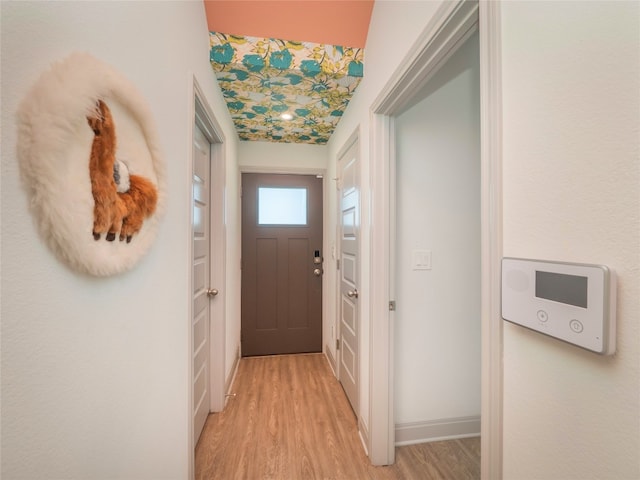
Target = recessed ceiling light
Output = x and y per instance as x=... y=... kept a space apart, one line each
x=286 y=116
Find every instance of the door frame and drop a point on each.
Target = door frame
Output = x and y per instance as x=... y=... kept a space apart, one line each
x=274 y=169
x=452 y=24
x=201 y=113
x=314 y=184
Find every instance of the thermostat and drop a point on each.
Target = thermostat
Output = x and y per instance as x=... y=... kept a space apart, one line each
x=573 y=302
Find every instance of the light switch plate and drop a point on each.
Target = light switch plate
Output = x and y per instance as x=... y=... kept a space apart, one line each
x=421 y=259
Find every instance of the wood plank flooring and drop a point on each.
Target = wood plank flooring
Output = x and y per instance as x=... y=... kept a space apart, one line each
x=290 y=420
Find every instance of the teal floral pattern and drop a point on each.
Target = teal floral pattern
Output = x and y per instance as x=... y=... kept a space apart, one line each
x=263 y=78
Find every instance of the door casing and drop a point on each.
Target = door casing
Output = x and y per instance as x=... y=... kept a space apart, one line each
x=450 y=27
x=288 y=332
x=320 y=172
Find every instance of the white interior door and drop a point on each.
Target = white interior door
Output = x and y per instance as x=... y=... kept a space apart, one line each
x=349 y=328
x=201 y=265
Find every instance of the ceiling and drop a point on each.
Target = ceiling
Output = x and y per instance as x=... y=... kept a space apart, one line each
x=304 y=58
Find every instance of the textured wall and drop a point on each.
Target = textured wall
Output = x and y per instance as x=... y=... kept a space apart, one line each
x=572 y=192
x=437 y=334
x=95 y=375
x=271 y=156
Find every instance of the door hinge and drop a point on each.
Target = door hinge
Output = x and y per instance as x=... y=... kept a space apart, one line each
x=337 y=344
x=337 y=264
x=392 y=305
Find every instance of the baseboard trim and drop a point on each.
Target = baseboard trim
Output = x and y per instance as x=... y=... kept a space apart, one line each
x=332 y=360
x=363 y=432
x=229 y=383
x=433 y=430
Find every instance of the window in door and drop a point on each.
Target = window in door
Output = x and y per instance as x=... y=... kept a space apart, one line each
x=282 y=206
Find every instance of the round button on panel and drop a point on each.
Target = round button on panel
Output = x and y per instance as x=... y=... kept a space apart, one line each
x=576 y=326
x=543 y=316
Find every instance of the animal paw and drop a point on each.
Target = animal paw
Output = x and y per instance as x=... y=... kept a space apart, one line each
x=131 y=225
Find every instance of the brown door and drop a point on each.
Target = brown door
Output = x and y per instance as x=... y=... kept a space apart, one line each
x=281 y=269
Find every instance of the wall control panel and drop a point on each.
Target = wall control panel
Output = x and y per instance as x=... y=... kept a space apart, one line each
x=573 y=302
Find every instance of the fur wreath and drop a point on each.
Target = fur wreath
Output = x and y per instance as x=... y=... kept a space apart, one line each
x=83 y=183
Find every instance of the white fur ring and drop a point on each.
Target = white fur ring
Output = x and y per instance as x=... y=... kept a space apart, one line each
x=90 y=160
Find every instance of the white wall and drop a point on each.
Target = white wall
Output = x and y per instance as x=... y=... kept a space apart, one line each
x=437 y=322
x=95 y=372
x=395 y=26
x=281 y=157
x=233 y=245
x=571 y=83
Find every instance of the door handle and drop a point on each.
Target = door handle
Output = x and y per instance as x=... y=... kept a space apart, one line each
x=212 y=292
x=353 y=293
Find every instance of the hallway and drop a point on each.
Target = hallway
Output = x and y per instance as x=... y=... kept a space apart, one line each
x=290 y=420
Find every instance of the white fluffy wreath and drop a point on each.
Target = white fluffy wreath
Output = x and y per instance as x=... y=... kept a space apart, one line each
x=54 y=146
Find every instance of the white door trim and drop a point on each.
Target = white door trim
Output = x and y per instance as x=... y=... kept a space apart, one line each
x=452 y=24
x=381 y=422
x=201 y=113
x=491 y=233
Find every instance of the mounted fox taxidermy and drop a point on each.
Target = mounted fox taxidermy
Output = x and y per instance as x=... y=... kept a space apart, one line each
x=90 y=160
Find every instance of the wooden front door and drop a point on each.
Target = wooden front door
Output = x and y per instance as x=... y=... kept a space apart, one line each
x=281 y=264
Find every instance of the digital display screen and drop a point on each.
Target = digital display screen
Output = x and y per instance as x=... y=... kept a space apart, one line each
x=559 y=287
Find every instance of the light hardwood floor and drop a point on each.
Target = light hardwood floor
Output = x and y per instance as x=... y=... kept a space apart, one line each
x=290 y=420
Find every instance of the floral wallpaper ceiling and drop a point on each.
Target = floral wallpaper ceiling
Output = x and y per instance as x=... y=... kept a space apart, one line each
x=264 y=79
